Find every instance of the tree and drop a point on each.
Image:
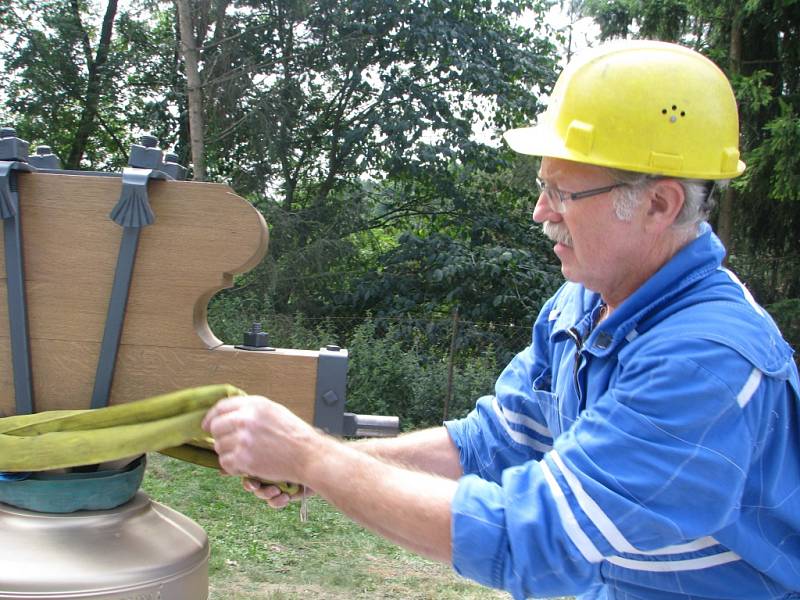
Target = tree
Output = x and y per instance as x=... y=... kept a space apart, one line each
x=471 y=249
x=323 y=95
x=76 y=77
x=194 y=90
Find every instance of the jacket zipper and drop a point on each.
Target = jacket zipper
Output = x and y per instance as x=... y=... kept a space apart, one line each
x=576 y=337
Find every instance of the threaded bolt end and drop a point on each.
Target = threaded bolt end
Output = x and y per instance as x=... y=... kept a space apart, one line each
x=148 y=141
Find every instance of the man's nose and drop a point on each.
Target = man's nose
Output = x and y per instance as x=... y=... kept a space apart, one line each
x=544 y=212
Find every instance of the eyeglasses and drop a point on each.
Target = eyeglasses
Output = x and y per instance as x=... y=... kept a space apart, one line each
x=557 y=198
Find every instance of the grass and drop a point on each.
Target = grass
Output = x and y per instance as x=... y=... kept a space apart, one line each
x=264 y=554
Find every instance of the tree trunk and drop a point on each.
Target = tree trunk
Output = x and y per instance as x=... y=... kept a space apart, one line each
x=94 y=82
x=450 y=366
x=194 y=91
x=725 y=222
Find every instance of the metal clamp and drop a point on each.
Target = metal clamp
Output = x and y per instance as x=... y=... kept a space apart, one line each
x=45 y=159
x=331 y=390
x=13 y=154
x=331 y=394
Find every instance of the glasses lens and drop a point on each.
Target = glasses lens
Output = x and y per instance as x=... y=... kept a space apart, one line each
x=553 y=196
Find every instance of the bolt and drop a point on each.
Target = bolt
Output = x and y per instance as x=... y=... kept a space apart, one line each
x=8 y=132
x=255 y=337
x=148 y=141
x=43 y=150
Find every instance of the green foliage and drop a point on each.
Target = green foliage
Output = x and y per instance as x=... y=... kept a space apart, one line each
x=306 y=97
x=776 y=160
x=394 y=373
x=356 y=136
x=665 y=20
x=787 y=315
x=470 y=247
x=66 y=81
x=396 y=367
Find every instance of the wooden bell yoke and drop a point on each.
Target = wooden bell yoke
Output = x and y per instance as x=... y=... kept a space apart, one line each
x=70 y=248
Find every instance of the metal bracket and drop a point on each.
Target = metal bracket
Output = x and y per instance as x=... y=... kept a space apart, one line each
x=172 y=168
x=15 y=284
x=331 y=390
x=255 y=340
x=132 y=212
x=44 y=158
x=331 y=395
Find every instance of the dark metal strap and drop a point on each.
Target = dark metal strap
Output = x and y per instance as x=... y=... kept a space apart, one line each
x=331 y=390
x=132 y=212
x=15 y=285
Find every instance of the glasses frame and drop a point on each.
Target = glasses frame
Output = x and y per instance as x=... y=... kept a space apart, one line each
x=557 y=199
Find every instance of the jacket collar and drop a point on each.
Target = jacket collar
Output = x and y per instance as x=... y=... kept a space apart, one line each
x=694 y=261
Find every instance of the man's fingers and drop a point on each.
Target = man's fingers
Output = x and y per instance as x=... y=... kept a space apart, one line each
x=279 y=501
x=225 y=424
x=219 y=409
x=250 y=484
x=223 y=407
x=229 y=465
x=272 y=494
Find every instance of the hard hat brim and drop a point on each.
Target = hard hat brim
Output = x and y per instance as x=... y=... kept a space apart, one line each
x=543 y=140
x=537 y=141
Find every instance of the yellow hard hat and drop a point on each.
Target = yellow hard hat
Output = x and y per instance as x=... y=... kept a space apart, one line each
x=643 y=106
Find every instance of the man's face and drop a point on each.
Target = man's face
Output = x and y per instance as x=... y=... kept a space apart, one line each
x=595 y=247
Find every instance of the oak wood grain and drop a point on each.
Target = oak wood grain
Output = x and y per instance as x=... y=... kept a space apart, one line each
x=202 y=236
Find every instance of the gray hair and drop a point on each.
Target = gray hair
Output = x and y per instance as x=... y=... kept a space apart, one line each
x=698 y=196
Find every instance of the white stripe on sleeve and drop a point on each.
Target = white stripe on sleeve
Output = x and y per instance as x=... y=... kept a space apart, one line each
x=590 y=552
x=519 y=437
x=524 y=420
x=671 y=566
x=607 y=527
x=568 y=521
x=749 y=388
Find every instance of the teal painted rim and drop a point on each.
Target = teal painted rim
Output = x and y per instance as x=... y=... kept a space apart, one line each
x=69 y=492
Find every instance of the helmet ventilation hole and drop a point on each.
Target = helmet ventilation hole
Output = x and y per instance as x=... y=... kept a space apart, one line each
x=673 y=118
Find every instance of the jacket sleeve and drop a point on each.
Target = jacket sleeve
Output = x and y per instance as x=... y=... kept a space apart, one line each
x=643 y=478
x=508 y=428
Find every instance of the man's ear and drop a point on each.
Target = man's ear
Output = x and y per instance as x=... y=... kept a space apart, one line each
x=666 y=200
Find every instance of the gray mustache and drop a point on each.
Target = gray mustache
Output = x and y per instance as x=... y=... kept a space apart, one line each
x=557 y=232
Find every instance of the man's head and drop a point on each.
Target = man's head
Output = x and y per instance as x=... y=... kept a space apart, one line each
x=634 y=138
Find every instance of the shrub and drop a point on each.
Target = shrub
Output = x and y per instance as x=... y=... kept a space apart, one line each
x=787 y=315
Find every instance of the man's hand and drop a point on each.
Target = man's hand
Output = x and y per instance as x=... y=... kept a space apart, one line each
x=258 y=438
x=273 y=495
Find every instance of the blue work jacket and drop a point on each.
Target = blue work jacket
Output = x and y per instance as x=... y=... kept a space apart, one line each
x=655 y=456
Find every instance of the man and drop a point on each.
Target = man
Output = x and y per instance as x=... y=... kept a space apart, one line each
x=647 y=443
